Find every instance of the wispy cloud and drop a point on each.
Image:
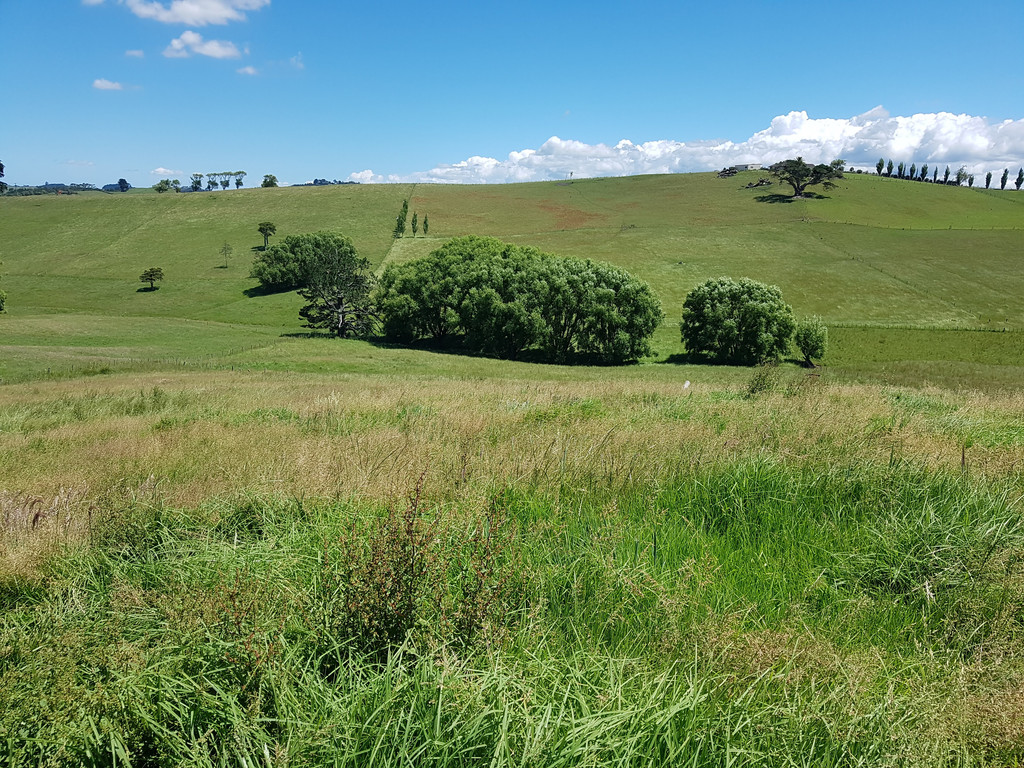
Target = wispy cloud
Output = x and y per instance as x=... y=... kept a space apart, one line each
x=135 y=54
x=934 y=138
x=192 y=42
x=250 y=70
x=296 y=61
x=79 y=163
x=102 y=84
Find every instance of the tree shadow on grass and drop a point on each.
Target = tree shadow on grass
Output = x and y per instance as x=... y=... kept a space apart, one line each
x=263 y=290
x=680 y=358
x=309 y=335
x=457 y=347
x=147 y=289
x=778 y=197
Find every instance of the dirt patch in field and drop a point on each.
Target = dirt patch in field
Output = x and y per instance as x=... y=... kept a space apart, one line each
x=568 y=217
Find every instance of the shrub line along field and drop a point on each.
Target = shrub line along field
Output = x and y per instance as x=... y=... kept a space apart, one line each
x=228 y=541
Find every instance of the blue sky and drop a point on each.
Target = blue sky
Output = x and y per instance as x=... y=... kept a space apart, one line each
x=95 y=90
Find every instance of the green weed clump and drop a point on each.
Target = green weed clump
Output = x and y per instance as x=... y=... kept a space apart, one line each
x=750 y=612
x=411 y=579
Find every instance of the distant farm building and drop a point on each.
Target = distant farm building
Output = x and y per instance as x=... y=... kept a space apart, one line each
x=748 y=167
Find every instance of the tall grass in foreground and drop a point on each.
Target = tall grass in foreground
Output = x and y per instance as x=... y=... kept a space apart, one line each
x=744 y=614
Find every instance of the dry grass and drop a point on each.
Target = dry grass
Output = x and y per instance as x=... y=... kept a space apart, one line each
x=34 y=528
x=204 y=435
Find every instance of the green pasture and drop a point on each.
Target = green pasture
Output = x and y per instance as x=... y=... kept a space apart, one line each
x=899 y=270
x=211 y=519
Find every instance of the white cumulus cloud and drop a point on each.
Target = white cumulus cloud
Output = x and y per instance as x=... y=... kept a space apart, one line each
x=940 y=138
x=102 y=84
x=193 y=13
x=192 y=42
x=164 y=172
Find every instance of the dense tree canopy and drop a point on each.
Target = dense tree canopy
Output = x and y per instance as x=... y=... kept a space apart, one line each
x=326 y=270
x=336 y=285
x=800 y=175
x=284 y=266
x=503 y=300
x=738 y=322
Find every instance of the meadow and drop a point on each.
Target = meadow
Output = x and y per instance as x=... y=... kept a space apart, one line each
x=228 y=542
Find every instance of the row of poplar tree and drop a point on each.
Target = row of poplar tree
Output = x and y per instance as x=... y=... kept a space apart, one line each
x=901 y=171
x=400 y=222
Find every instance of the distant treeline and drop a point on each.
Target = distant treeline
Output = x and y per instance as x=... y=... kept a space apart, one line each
x=323 y=183
x=958 y=179
x=48 y=189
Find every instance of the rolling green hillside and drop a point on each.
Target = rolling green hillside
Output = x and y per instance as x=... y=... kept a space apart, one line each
x=875 y=255
x=205 y=556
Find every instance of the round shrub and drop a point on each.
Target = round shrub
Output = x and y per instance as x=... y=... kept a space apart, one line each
x=811 y=338
x=505 y=300
x=736 y=322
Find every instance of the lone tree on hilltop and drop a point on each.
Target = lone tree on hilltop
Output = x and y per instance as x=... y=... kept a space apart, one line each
x=266 y=228
x=799 y=175
x=123 y=185
x=269 y=180
x=738 y=322
x=151 y=276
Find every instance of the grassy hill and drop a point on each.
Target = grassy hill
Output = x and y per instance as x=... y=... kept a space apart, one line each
x=206 y=550
x=873 y=254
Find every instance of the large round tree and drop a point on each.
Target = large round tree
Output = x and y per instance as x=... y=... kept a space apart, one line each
x=800 y=175
x=737 y=322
